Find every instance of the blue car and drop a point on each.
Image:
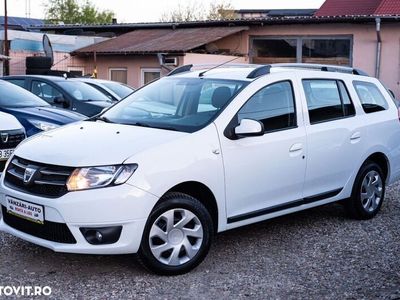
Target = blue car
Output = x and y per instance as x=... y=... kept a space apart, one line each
x=33 y=113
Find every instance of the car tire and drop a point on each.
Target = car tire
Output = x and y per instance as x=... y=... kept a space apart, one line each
x=368 y=192
x=177 y=235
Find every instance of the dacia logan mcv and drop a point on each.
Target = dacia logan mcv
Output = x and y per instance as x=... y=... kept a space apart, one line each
x=200 y=152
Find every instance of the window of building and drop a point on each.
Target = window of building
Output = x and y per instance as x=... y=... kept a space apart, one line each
x=273 y=105
x=268 y=51
x=370 y=96
x=118 y=74
x=334 y=50
x=148 y=75
x=77 y=71
x=326 y=51
x=327 y=100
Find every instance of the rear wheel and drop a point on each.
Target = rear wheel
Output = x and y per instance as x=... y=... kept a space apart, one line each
x=177 y=235
x=368 y=192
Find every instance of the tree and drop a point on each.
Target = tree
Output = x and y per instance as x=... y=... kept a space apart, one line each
x=221 y=10
x=195 y=11
x=76 y=12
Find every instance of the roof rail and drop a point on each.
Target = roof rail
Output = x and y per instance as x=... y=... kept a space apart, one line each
x=182 y=69
x=260 y=71
x=325 y=68
x=187 y=68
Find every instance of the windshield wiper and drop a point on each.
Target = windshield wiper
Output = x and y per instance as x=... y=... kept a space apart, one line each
x=102 y=118
x=153 y=126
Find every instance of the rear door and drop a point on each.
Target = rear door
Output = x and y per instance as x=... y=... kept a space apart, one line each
x=335 y=137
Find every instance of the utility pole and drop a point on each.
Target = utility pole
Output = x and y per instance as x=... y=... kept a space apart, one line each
x=6 y=49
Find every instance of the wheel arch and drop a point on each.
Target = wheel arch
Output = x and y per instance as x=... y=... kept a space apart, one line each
x=202 y=193
x=382 y=160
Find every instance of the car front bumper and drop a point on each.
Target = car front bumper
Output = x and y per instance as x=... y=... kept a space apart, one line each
x=123 y=205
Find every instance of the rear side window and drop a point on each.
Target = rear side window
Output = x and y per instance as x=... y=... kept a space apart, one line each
x=327 y=100
x=273 y=105
x=19 y=82
x=370 y=96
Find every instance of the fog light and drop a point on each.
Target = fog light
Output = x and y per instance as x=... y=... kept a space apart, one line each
x=101 y=236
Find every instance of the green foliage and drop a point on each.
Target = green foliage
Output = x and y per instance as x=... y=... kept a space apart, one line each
x=76 y=12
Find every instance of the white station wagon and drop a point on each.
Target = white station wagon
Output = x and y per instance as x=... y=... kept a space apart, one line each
x=200 y=152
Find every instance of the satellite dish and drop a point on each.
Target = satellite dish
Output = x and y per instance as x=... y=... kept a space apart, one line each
x=48 y=49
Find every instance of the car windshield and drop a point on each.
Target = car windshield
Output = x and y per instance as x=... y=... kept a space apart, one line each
x=83 y=92
x=120 y=89
x=13 y=96
x=182 y=104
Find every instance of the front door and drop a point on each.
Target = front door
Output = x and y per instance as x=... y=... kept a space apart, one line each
x=265 y=174
x=48 y=93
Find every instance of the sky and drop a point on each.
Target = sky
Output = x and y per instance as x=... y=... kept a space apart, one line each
x=151 y=10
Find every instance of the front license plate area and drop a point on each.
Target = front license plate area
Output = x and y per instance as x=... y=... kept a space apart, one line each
x=6 y=154
x=25 y=210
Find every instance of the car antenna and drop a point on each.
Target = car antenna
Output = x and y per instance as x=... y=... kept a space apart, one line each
x=217 y=66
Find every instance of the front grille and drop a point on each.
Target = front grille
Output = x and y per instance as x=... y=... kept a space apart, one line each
x=11 y=139
x=50 y=231
x=2 y=165
x=48 y=180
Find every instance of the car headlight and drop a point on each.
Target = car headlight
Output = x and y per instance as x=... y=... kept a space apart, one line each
x=45 y=126
x=96 y=177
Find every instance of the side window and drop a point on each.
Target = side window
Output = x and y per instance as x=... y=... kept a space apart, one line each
x=327 y=100
x=45 y=91
x=273 y=105
x=19 y=82
x=370 y=96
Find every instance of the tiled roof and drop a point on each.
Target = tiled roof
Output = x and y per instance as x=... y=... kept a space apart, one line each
x=160 y=40
x=359 y=7
x=388 y=7
x=348 y=7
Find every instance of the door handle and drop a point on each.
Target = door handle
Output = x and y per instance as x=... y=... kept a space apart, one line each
x=296 y=147
x=356 y=136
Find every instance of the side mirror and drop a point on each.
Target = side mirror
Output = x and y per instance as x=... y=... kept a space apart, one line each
x=248 y=127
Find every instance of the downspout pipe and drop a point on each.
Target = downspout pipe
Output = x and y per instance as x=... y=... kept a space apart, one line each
x=378 y=47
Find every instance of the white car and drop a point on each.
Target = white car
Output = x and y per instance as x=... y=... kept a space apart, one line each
x=142 y=178
x=11 y=134
x=112 y=89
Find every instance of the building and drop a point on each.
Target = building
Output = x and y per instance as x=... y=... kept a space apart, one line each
x=359 y=33
x=2 y=59
x=25 y=43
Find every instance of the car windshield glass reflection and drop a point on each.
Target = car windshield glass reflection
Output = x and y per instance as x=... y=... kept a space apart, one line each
x=182 y=104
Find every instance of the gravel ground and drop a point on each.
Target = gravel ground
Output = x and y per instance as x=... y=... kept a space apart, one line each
x=315 y=254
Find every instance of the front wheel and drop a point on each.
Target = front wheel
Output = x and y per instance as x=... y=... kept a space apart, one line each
x=177 y=235
x=368 y=192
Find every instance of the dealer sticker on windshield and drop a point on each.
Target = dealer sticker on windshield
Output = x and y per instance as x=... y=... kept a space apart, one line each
x=26 y=210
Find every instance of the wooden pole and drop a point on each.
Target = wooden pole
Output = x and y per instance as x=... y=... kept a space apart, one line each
x=6 y=49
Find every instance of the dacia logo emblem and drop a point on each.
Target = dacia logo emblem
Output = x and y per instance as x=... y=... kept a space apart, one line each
x=4 y=137
x=29 y=175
